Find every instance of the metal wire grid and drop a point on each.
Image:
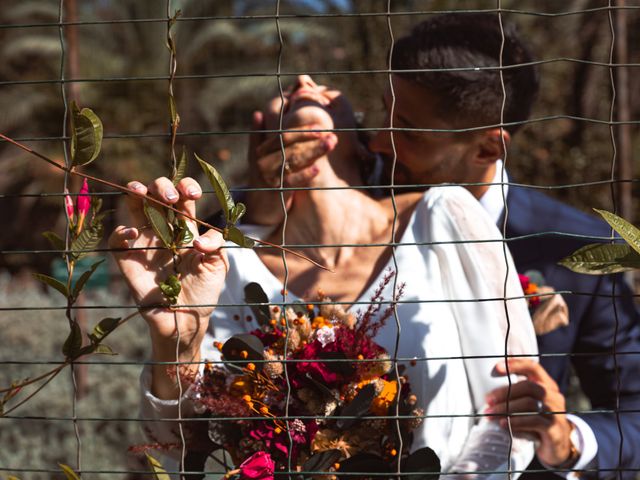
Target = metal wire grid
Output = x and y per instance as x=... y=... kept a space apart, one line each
x=279 y=74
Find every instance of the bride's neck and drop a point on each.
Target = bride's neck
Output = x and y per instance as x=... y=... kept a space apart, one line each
x=334 y=217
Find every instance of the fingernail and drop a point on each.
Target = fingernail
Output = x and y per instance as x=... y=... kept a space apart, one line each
x=171 y=195
x=136 y=186
x=128 y=232
x=193 y=191
x=314 y=170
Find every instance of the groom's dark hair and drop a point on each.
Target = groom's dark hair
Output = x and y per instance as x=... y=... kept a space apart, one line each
x=468 y=47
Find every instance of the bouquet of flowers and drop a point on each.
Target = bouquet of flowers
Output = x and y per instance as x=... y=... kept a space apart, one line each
x=310 y=391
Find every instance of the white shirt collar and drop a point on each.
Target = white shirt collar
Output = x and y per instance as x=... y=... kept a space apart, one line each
x=493 y=199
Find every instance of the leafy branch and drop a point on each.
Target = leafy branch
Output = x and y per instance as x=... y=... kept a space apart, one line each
x=603 y=259
x=150 y=199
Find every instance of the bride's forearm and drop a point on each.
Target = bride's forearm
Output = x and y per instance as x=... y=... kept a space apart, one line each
x=166 y=351
x=164 y=384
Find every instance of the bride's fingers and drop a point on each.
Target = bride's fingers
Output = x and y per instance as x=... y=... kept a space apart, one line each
x=208 y=243
x=135 y=203
x=189 y=191
x=162 y=188
x=120 y=238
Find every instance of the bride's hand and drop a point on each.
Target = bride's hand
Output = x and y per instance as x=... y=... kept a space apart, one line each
x=145 y=264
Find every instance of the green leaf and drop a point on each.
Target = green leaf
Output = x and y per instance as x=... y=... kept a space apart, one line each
x=234 y=234
x=103 y=328
x=73 y=343
x=173 y=110
x=87 y=241
x=630 y=233
x=237 y=212
x=602 y=259
x=321 y=461
x=68 y=471
x=358 y=407
x=156 y=466
x=52 y=282
x=86 y=135
x=55 y=240
x=363 y=463
x=104 y=350
x=84 y=277
x=219 y=187
x=159 y=223
x=182 y=234
x=253 y=294
x=181 y=167
x=171 y=289
x=423 y=461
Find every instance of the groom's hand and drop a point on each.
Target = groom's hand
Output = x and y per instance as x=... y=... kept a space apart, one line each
x=298 y=149
x=535 y=395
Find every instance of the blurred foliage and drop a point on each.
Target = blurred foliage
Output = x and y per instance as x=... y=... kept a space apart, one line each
x=111 y=403
x=230 y=66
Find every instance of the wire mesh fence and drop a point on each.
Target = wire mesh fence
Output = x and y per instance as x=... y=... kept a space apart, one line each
x=232 y=57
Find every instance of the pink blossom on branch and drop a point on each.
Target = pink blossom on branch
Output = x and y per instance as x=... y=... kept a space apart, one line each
x=83 y=204
x=84 y=201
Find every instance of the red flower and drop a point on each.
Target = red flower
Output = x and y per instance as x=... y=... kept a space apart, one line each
x=315 y=367
x=82 y=204
x=258 y=466
x=83 y=199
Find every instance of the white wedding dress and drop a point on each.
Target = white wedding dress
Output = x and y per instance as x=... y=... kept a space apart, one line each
x=452 y=318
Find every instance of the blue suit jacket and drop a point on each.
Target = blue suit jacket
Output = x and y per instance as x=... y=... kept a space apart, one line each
x=594 y=318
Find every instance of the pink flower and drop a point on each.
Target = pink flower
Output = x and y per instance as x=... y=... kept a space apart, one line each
x=82 y=205
x=84 y=201
x=258 y=466
x=68 y=204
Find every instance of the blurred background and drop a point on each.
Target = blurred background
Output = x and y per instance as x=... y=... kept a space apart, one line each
x=115 y=61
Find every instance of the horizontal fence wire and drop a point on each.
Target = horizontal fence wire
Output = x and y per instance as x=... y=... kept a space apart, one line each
x=78 y=416
x=326 y=15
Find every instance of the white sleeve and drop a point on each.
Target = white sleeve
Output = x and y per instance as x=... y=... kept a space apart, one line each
x=492 y=317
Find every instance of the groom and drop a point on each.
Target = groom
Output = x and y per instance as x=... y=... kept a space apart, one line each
x=603 y=317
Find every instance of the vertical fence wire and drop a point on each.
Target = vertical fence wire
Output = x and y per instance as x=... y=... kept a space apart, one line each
x=283 y=204
x=614 y=198
x=504 y=232
x=394 y=225
x=72 y=368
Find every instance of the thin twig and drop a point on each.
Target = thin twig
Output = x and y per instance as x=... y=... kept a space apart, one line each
x=151 y=199
x=68 y=361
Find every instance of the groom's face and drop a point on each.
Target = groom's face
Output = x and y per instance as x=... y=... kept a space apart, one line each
x=421 y=157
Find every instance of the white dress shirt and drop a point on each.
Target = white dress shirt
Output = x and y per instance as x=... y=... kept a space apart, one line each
x=493 y=202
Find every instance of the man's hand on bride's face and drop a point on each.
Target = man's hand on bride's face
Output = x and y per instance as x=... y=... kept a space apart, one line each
x=301 y=150
x=201 y=268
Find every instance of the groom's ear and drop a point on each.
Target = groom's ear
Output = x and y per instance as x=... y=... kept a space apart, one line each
x=491 y=145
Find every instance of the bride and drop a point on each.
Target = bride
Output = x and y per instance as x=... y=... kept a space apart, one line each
x=441 y=245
